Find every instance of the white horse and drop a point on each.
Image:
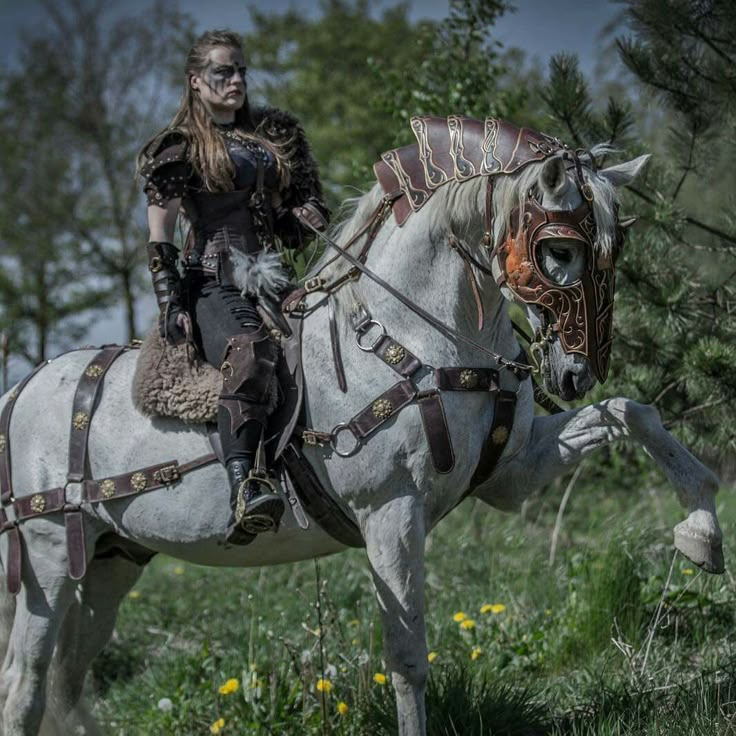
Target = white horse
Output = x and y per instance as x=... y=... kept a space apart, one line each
x=388 y=487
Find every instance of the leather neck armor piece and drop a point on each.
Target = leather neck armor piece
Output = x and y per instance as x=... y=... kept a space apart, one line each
x=582 y=310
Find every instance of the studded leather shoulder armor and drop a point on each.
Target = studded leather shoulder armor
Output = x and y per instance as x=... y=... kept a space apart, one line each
x=166 y=172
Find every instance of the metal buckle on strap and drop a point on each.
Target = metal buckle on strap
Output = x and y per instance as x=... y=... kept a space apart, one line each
x=314 y=284
x=311 y=439
x=166 y=475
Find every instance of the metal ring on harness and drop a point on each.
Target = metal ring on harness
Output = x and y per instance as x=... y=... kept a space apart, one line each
x=333 y=440
x=364 y=328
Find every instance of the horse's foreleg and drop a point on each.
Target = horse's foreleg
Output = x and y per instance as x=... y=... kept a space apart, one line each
x=395 y=536
x=561 y=440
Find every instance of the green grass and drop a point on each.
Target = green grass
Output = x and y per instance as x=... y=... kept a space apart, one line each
x=595 y=644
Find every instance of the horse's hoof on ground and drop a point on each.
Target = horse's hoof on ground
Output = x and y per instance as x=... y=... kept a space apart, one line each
x=701 y=551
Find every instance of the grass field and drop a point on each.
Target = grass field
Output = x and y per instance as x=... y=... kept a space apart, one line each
x=617 y=636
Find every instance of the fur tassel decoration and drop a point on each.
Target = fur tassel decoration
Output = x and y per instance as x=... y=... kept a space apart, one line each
x=260 y=273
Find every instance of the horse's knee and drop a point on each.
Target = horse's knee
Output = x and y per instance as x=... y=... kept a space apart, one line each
x=409 y=669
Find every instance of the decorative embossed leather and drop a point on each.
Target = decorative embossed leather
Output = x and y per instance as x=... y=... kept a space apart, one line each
x=456 y=148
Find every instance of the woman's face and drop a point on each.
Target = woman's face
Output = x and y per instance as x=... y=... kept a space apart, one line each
x=221 y=84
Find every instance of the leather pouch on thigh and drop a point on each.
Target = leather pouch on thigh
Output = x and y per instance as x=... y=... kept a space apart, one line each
x=248 y=367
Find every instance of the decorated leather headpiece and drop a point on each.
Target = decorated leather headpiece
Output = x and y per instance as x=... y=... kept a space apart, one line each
x=457 y=148
x=582 y=311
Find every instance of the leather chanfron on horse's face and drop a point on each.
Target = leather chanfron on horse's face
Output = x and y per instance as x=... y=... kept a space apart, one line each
x=582 y=310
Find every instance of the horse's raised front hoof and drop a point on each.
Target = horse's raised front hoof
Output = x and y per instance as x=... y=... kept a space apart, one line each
x=700 y=550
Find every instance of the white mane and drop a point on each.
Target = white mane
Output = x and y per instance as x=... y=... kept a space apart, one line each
x=460 y=207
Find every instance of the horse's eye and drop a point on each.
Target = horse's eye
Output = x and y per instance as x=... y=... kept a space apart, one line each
x=561 y=259
x=562 y=254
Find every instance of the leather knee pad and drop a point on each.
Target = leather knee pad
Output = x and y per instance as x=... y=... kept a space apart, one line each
x=248 y=373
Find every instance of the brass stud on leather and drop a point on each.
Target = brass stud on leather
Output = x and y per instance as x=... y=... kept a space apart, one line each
x=80 y=421
x=382 y=409
x=469 y=379
x=94 y=371
x=3 y=442
x=38 y=503
x=107 y=488
x=394 y=354
x=500 y=435
x=138 y=482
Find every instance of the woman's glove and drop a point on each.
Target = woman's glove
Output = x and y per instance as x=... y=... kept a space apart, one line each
x=172 y=321
x=311 y=214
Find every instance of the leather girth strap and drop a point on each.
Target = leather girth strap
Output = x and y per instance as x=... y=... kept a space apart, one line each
x=320 y=506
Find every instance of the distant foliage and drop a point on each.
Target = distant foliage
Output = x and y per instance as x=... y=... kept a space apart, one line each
x=457 y=67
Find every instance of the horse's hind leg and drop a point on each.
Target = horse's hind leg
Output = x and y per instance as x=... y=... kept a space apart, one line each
x=86 y=630
x=41 y=605
x=395 y=536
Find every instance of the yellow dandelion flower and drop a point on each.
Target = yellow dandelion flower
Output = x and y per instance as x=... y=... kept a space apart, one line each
x=459 y=617
x=354 y=622
x=379 y=678
x=178 y=570
x=468 y=624
x=134 y=594
x=497 y=608
x=342 y=708
x=486 y=608
x=217 y=726
x=477 y=651
x=231 y=686
x=432 y=656
x=688 y=571
x=324 y=685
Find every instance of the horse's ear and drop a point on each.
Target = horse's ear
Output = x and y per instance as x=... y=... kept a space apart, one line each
x=553 y=177
x=625 y=173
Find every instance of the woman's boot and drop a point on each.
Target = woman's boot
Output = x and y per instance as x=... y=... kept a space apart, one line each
x=255 y=504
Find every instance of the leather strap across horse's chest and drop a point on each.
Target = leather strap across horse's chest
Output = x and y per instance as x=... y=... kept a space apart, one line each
x=434 y=420
x=55 y=500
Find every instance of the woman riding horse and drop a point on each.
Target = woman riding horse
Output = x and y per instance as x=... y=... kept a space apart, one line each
x=244 y=178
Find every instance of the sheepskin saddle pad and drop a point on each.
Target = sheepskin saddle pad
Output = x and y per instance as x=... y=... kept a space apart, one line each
x=173 y=381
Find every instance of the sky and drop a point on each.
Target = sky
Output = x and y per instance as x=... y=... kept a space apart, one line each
x=539 y=27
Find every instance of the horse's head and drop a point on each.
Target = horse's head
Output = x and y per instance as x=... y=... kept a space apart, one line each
x=556 y=257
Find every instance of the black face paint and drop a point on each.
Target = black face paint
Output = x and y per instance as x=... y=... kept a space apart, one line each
x=217 y=76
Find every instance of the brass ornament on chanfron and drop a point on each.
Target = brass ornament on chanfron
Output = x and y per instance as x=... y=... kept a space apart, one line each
x=3 y=442
x=382 y=409
x=13 y=395
x=500 y=435
x=394 y=354
x=138 y=482
x=38 y=503
x=469 y=379
x=80 y=421
x=107 y=488
x=94 y=371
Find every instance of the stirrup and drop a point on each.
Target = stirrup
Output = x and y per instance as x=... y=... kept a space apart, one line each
x=263 y=512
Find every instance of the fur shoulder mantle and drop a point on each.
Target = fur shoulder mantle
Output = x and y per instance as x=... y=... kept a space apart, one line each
x=283 y=129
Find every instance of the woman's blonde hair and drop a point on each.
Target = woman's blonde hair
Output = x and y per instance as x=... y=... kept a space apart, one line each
x=207 y=152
